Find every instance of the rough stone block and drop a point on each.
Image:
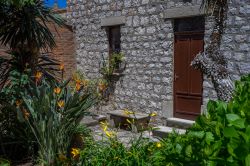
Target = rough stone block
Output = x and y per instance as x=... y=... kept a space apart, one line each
x=163 y=131
x=135 y=122
x=111 y=21
x=183 y=11
x=179 y=123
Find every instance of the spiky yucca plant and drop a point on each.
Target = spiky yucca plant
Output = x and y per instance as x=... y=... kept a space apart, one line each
x=24 y=29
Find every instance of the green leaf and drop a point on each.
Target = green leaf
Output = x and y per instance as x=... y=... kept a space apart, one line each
x=209 y=137
x=230 y=132
x=247 y=160
x=198 y=134
x=189 y=151
x=232 y=117
x=240 y=123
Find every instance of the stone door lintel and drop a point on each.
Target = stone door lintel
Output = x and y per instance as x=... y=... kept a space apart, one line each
x=185 y=11
x=112 y=21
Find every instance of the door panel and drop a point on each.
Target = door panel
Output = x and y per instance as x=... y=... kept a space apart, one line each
x=187 y=81
x=181 y=64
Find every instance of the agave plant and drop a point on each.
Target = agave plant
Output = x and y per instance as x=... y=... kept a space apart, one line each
x=53 y=111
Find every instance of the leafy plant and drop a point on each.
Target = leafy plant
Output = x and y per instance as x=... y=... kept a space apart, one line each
x=4 y=162
x=53 y=112
x=112 y=65
x=219 y=137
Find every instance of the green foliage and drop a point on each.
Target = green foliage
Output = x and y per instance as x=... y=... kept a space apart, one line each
x=53 y=111
x=4 y=162
x=112 y=65
x=219 y=137
x=25 y=23
x=20 y=62
x=113 y=152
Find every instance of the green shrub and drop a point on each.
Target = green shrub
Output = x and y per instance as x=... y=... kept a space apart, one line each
x=53 y=111
x=112 y=152
x=219 y=137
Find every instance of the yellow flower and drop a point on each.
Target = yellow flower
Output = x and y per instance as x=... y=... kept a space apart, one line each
x=158 y=145
x=57 y=90
x=61 y=67
x=60 y=103
x=127 y=112
x=130 y=121
x=38 y=75
x=110 y=134
x=75 y=152
x=104 y=126
x=19 y=102
x=62 y=157
x=153 y=114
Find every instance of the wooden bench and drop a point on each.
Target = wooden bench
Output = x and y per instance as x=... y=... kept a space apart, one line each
x=135 y=122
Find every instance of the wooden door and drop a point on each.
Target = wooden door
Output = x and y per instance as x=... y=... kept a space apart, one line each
x=187 y=81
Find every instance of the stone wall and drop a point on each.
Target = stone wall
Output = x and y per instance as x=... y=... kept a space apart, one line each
x=147 y=42
x=65 y=48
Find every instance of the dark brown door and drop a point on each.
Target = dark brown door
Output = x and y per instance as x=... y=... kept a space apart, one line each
x=187 y=81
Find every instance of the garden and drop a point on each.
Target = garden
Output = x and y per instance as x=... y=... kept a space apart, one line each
x=40 y=111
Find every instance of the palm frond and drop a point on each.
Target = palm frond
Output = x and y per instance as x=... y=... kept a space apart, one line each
x=27 y=25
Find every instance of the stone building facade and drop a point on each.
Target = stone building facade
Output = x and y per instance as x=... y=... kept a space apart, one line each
x=147 y=41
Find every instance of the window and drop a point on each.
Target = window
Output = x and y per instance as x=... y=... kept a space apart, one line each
x=189 y=24
x=114 y=36
x=185 y=1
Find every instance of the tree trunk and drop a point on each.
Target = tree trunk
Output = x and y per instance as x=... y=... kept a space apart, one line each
x=211 y=62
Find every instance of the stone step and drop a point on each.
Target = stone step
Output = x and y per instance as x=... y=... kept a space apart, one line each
x=99 y=118
x=179 y=123
x=93 y=120
x=89 y=121
x=163 y=131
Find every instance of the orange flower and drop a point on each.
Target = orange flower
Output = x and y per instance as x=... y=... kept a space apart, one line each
x=61 y=67
x=26 y=114
x=57 y=90
x=102 y=86
x=78 y=86
x=19 y=102
x=78 y=81
x=38 y=75
x=60 y=103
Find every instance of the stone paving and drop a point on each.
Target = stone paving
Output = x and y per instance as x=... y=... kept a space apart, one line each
x=123 y=136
